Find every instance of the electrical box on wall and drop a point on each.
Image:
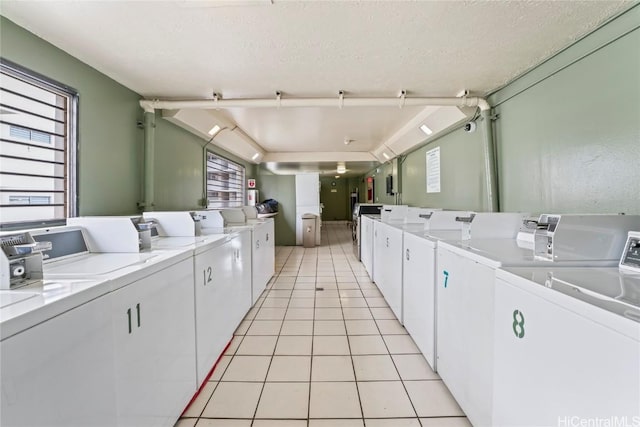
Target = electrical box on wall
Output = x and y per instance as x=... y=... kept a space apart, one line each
x=390 y=185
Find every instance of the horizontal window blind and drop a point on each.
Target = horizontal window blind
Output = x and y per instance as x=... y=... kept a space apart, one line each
x=37 y=165
x=225 y=182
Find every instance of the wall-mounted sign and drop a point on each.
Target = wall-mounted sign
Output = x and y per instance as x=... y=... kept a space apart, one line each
x=433 y=170
x=251 y=183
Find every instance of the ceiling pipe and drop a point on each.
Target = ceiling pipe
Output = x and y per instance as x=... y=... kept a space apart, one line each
x=342 y=102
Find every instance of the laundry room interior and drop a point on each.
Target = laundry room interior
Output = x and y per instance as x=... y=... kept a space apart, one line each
x=377 y=160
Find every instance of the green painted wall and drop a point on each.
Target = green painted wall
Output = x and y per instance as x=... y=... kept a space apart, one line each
x=179 y=159
x=110 y=143
x=283 y=189
x=567 y=136
x=571 y=142
x=461 y=173
x=336 y=205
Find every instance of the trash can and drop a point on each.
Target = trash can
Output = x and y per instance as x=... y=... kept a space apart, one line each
x=309 y=230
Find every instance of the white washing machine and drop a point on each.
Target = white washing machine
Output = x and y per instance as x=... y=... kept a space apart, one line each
x=154 y=354
x=568 y=340
x=466 y=290
x=419 y=278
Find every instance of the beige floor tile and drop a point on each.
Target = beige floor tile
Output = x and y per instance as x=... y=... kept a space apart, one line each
x=367 y=344
x=332 y=368
x=275 y=303
x=303 y=293
x=336 y=423
x=445 y=422
x=382 y=313
x=283 y=285
x=279 y=293
x=356 y=302
x=297 y=327
x=391 y=327
x=414 y=367
x=268 y=313
x=186 y=422
x=356 y=313
x=305 y=286
x=284 y=400
x=371 y=293
x=257 y=345
x=327 y=293
x=328 y=302
x=290 y=368
x=432 y=399
x=234 y=344
x=392 y=422
x=197 y=406
x=376 y=302
x=400 y=344
x=222 y=365
x=285 y=279
x=334 y=400
x=361 y=327
x=375 y=368
x=205 y=422
x=330 y=345
x=384 y=399
x=294 y=346
x=299 y=314
x=279 y=423
x=233 y=400
x=251 y=313
x=247 y=368
x=306 y=280
x=350 y=292
x=301 y=303
x=265 y=327
x=242 y=327
x=334 y=313
x=329 y=327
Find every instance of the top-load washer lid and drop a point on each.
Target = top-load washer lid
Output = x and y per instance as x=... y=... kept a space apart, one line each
x=176 y=242
x=8 y=298
x=95 y=264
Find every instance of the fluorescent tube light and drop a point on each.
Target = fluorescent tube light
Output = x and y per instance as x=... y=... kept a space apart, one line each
x=255 y=156
x=386 y=156
x=214 y=130
x=425 y=129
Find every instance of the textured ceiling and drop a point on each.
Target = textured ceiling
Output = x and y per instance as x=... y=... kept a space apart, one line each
x=190 y=49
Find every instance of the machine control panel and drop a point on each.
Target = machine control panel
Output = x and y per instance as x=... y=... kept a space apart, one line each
x=630 y=259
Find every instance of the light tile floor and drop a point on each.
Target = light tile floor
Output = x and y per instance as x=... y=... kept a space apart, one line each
x=321 y=348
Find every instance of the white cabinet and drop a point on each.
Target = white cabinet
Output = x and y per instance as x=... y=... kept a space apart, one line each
x=465 y=301
x=153 y=325
x=60 y=372
x=554 y=366
x=419 y=293
x=216 y=291
x=366 y=244
x=263 y=257
x=388 y=265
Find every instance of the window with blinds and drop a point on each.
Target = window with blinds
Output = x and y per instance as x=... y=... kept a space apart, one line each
x=37 y=148
x=225 y=182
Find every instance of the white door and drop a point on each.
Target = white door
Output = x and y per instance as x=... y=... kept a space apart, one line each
x=393 y=269
x=366 y=244
x=214 y=295
x=419 y=294
x=155 y=347
x=554 y=366
x=451 y=336
x=241 y=275
x=60 y=372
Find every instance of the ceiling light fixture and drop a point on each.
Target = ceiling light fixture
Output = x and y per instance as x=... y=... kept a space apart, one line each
x=386 y=156
x=214 y=130
x=341 y=169
x=425 y=129
x=347 y=141
x=255 y=156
